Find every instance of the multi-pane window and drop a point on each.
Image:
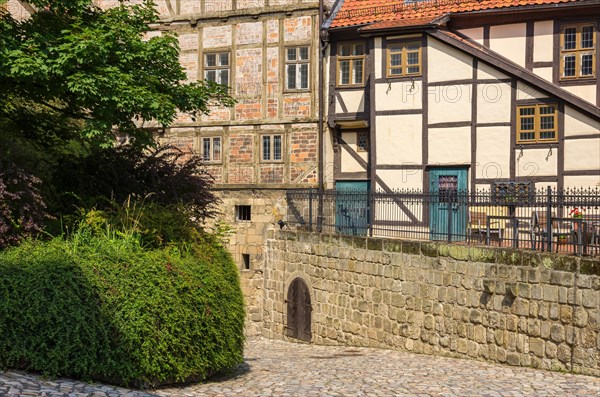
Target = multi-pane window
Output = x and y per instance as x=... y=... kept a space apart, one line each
x=296 y=68
x=537 y=123
x=404 y=59
x=577 y=51
x=216 y=67
x=211 y=149
x=272 y=148
x=362 y=142
x=351 y=63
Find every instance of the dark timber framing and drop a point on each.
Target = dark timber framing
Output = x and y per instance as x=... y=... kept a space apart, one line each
x=473 y=169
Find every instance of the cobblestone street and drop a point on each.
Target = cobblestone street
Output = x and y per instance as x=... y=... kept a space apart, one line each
x=277 y=368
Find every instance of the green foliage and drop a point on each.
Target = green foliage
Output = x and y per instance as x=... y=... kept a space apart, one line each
x=96 y=70
x=105 y=308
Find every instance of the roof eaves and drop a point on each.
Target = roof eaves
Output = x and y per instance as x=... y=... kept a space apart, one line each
x=511 y=68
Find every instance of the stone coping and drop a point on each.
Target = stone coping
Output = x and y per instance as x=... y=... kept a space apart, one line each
x=470 y=253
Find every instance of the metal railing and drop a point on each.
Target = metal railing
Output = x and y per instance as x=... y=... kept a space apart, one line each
x=566 y=221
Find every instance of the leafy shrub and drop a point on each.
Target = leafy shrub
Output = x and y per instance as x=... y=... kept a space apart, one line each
x=22 y=209
x=164 y=176
x=105 y=308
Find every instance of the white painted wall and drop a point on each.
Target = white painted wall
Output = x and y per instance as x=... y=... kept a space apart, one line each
x=449 y=103
x=349 y=164
x=536 y=162
x=543 y=39
x=545 y=73
x=447 y=63
x=354 y=101
x=585 y=92
x=582 y=154
x=525 y=91
x=450 y=145
x=402 y=179
x=485 y=71
x=579 y=124
x=399 y=139
x=475 y=34
x=586 y=181
x=509 y=41
x=378 y=57
x=493 y=103
x=399 y=95
x=493 y=152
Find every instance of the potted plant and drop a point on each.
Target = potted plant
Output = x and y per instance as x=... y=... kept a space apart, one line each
x=576 y=213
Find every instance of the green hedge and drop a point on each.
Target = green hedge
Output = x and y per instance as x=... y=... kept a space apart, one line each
x=107 y=309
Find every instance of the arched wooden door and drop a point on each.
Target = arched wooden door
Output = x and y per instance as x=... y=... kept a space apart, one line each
x=298 y=310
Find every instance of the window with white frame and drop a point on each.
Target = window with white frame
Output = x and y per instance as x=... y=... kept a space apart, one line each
x=297 y=68
x=272 y=148
x=211 y=149
x=216 y=67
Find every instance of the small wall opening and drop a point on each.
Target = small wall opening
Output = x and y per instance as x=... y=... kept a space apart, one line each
x=243 y=212
x=246 y=261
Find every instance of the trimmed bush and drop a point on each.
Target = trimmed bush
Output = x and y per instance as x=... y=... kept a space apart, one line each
x=107 y=309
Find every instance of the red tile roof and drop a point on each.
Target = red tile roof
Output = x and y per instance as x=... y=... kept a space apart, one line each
x=362 y=12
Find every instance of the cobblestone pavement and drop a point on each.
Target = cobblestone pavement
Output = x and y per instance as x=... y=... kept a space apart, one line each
x=277 y=368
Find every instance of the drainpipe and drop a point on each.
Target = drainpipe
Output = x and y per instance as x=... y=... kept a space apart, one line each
x=321 y=140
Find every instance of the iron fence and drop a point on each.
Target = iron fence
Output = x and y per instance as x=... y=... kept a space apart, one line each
x=566 y=221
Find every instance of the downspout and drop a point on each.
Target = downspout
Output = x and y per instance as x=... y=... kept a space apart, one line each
x=321 y=140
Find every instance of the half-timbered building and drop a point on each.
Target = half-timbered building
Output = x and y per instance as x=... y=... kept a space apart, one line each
x=485 y=91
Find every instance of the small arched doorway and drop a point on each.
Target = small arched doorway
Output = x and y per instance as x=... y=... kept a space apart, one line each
x=298 y=311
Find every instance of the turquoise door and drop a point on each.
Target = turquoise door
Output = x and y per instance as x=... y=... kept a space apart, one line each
x=352 y=207
x=448 y=205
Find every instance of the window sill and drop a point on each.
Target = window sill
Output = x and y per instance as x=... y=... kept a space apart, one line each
x=577 y=81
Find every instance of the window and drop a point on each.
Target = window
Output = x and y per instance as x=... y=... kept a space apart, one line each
x=362 y=142
x=351 y=64
x=296 y=68
x=211 y=149
x=577 y=51
x=404 y=59
x=216 y=67
x=271 y=148
x=537 y=123
x=242 y=212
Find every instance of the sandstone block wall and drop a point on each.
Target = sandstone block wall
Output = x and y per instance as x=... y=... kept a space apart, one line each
x=517 y=308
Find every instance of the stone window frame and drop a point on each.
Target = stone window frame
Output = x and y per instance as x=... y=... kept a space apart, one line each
x=297 y=63
x=219 y=67
x=354 y=57
x=274 y=153
x=537 y=129
x=578 y=52
x=207 y=149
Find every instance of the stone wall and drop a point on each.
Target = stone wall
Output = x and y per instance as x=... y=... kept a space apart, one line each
x=498 y=305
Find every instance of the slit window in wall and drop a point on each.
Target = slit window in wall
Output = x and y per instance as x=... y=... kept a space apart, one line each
x=362 y=142
x=577 y=51
x=272 y=147
x=246 y=261
x=537 y=123
x=216 y=67
x=297 y=68
x=404 y=59
x=350 y=64
x=243 y=213
x=211 y=149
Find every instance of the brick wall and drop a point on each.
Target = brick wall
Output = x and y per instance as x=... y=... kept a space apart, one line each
x=511 y=307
